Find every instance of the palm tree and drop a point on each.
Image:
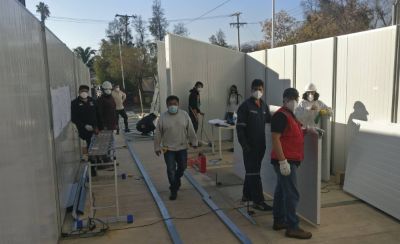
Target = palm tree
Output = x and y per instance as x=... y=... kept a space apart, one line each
x=44 y=11
x=86 y=55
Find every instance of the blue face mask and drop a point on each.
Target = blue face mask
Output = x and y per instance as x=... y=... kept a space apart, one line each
x=173 y=109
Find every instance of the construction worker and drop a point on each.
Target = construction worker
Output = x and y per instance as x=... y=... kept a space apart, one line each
x=310 y=106
x=119 y=98
x=173 y=134
x=287 y=153
x=106 y=108
x=83 y=115
x=195 y=103
x=253 y=114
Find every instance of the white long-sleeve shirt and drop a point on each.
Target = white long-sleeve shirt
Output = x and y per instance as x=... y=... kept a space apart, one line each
x=307 y=116
x=174 y=132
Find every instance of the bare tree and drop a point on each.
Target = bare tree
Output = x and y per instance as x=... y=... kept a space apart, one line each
x=285 y=26
x=218 y=39
x=382 y=11
x=181 y=30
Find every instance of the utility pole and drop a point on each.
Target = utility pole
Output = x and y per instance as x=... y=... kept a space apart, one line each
x=120 y=60
x=395 y=13
x=126 y=23
x=273 y=24
x=238 y=24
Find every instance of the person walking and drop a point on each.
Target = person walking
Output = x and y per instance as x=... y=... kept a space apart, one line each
x=106 y=108
x=84 y=116
x=119 y=98
x=173 y=134
x=194 y=105
x=253 y=114
x=286 y=156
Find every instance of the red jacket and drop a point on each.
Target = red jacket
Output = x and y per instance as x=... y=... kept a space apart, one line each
x=292 y=139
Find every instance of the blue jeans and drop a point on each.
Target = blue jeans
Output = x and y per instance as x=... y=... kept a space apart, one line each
x=286 y=198
x=176 y=164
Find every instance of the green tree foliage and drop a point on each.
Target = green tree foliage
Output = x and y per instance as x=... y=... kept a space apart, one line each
x=158 y=24
x=218 y=39
x=181 y=30
x=43 y=10
x=86 y=55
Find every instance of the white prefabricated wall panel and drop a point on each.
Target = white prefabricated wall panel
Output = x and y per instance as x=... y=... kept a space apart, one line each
x=308 y=174
x=218 y=68
x=314 y=63
x=365 y=65
x=255 y=69
x=66 y=74
x=280 y=73
x=373 y=166
x=162 y=75
x=28 y=201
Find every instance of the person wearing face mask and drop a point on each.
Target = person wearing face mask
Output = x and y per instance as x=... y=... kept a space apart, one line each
x=253 y=114
x=119 y=98
x=106 y=108
x=234 y=100
x=287 y=153
x=310 y=106
x=83 y=115
x=173 y=134
x=194 y=104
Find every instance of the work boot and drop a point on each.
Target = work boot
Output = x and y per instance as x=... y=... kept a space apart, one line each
x=173 y=196
x=127 y=130
x=262 y=206
x=298 y=234
x=279 y=226
x=117 y=132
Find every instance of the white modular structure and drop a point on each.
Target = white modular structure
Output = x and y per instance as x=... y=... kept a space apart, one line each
x=37 y=165
x=256 y=63
x=373 y=168
x=162 y=76
x=315 y=62
x=280 y=73
x=364 y=87
x=188 y=61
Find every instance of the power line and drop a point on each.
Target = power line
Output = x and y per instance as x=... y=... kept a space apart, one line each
x=209 y=11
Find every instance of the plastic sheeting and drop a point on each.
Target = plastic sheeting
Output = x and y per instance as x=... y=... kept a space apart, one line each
x=33 y=186
x=188 y=61
x=373 y=167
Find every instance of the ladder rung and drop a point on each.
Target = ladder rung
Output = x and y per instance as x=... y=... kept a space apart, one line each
x=104 y=207
x=106 y=185
x=102 y=164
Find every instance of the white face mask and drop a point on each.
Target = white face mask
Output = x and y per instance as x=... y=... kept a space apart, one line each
x=257 y=94
x=310 y=97
x=292 y=105
x=173 y=109
x=117 y=89
x=83 y=95
x=199 y=89
x=107 y=91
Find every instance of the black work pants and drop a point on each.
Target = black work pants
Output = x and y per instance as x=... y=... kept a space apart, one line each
x=194 y=120
x=252 y=188
x=123 y=114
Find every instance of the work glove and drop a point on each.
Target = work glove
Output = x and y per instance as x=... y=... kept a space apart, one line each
x=89 y=127
x=284 y=167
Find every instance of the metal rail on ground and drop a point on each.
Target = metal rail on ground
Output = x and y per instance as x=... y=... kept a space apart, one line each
x=176 y=239
x=221 y=215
